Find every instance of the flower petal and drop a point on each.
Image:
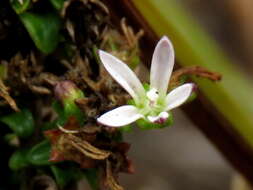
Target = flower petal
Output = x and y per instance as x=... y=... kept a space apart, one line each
x=123 y=75
x=162 y=65
x=161 y=118
x=178 y=96
x=120 y=116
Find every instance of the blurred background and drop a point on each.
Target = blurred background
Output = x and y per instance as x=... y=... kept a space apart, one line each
x=230 y=23
x=181 y=157
x=176 y=158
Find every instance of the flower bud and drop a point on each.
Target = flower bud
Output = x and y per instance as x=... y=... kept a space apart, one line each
x=66 y=92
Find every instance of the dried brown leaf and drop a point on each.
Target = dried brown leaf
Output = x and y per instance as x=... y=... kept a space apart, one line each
x=5 y=94
x=39 y=89
x=131 y=37
x=86 y=148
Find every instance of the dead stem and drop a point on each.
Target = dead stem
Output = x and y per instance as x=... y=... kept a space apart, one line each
x=39 y=89
x=5 y=94
x=26 y=73
x=132 y=39
x=101 y=5
x=110 y=180
x=193 y=70
x=86 y=148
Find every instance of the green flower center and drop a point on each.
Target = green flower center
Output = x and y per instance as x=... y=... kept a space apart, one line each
x=152 y=104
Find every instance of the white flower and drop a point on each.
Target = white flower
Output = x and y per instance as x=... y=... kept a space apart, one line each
x=152 y=105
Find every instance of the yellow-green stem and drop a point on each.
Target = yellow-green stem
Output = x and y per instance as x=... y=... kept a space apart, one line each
x=231 y=96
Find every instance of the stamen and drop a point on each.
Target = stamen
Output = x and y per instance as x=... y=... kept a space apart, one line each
x=152 y=94
x=160 y=119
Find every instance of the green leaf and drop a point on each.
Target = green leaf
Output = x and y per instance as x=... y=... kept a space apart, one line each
x=58 y=4
x=64 y=176
x=21 y=123
x=92 y=177
x=39 y=155
x=18 y=159
x=49 y=125
x=43 y=29
x=20 y=7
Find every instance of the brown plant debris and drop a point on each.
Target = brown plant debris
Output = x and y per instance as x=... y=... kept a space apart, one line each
x=101 y=94
x=5 y=94
x=86 y=148
x=193 y=70
x=43 y=181
x=110 y=179
x=27 y=74
x=85 y=31
x=125 y=46
x=105 y=93
x=131 y=37
x=89 y=146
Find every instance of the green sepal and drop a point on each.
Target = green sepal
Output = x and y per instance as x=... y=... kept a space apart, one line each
x=146 y=86
x=127 y=128
x=43 y=29
x=39 y=155
x=18 y=7
x=145 y=124
x=131 y=102
x=18 y=159
x=21 y=123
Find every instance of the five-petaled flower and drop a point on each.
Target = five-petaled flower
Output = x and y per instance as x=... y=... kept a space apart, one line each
x=153 y=104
